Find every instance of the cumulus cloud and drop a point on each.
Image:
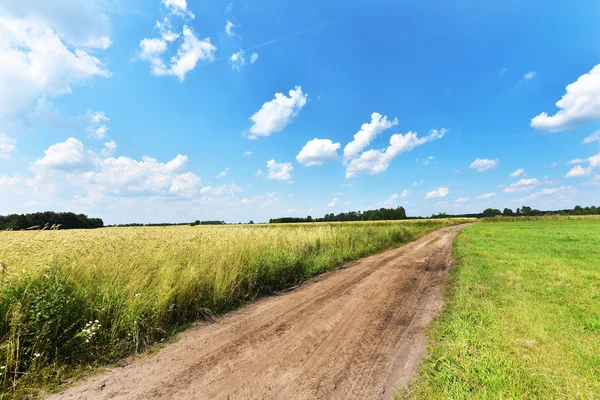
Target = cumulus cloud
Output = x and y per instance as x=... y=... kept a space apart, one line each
x=69 y=155
x=97 y=126
x=109 y=149
x=529 y=75
x=229 y=28
x=279 y=171
x=333 y=202
x=483 y=164
x=486 y=196
x=377 y=161
x=318 y=151
x=253 y=58
x=517 y=173
x=7 y=146
x=462 y=200
x=546 y=192
x=191 y=49
x=594 y=137
x=437 y=194
x=247 y=153
x=276 y=114
x=522 y=185
x=580 y=105
x=578 y=171
x=71 y=162
x=178 y=7
x=37 y=63
x=367 y=133
x=237 y=60
x=427 y=160
x=406 y=193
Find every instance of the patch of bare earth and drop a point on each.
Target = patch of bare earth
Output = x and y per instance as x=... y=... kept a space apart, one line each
x=355 y=333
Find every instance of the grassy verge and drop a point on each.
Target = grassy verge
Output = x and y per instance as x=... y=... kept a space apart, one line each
x=523 y=314
x=72 y=300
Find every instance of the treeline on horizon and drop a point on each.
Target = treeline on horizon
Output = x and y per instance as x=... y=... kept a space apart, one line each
x=49 y=220
x=524 y=211
x=388 y=214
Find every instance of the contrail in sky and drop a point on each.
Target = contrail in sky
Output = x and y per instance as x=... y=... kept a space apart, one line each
x=258 y=46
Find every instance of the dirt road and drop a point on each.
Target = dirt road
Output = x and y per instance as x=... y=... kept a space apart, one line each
x=355 y=333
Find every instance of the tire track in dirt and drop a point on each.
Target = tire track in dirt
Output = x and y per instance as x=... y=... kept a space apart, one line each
x=357 y=332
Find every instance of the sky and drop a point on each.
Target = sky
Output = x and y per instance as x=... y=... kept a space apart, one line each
x=175 y=110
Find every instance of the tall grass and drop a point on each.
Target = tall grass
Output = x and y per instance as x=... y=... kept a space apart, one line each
x=70 y=299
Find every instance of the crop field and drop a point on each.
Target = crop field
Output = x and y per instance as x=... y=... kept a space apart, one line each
x=522 y=318
x=72 y=300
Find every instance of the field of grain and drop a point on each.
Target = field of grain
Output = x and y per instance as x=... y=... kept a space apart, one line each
x=70 y=300
x=522 y=318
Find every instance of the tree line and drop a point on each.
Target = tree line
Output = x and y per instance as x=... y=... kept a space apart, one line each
x=369 y=215
x=526 y=211
x=49 y=220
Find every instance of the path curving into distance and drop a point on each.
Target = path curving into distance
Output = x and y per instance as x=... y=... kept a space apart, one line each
x=354 y=333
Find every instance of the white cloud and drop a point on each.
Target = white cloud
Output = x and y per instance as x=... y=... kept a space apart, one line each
x=529 y=75
x=279 y=171
x=333 y=202
x=191 y=49
x=418 y=183
x=237 y=60
x=578 y=171
x=406 y=193
x=7 y=146
x=486 y=196
x=367 y=133
x=377 y=161
x=223 y=173
x=37 y=63
x=97 y=127
x=222 y=190
x=109 y=149
x=84 y=23
x=253 y=58
x=483 y=164
x=69 y=155
x=276 y=114
x=178 y=7
x=517 y=173
x=580 y=105
x=462 y=200
x=247 y=153
x=229 y=28
x=594 y=137
x=318 y=151
x=438 y=193
x=522 y=185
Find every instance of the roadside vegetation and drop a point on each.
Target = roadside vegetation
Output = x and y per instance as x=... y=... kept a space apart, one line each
x=522 y=318
x=71 y=300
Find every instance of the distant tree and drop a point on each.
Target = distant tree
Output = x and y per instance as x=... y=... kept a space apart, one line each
x=491 y=212
x=526 y=210
x=251 y=222
x=508 y=212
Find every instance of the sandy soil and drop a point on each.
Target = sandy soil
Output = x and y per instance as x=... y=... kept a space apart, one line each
x=355 y=333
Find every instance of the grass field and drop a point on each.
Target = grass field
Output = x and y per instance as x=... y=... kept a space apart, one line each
x=70 y=300
x=522 y=319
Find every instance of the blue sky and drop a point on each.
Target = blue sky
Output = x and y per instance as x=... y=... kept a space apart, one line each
x=175 y=110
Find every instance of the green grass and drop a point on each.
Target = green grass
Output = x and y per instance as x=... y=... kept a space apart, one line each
x=73 y=300
x=522 y=319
